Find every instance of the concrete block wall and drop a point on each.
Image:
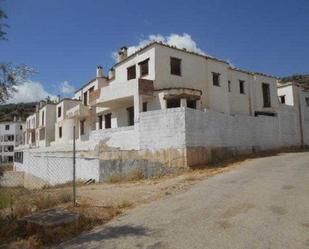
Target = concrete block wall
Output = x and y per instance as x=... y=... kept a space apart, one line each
x=185 y=128
x=289 y=124
x=208 y=136
x=162 y=129
x=213 y=129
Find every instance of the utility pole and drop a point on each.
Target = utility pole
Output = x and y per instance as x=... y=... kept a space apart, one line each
x=74 y=169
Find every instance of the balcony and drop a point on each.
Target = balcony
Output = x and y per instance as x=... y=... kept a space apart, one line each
x=42 y=133
x=122 y=93
x=78 y=111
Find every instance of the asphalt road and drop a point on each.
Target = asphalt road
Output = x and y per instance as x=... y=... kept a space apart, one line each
x=264 y=204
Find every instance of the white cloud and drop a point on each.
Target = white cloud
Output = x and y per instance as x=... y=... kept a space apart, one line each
x=66 y=88
x=30 y=91
x=179 y=41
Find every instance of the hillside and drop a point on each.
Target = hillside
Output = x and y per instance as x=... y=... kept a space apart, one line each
x=23 y=110
x=302 y=79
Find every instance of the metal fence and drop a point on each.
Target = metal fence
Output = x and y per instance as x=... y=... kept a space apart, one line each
x=22 y=194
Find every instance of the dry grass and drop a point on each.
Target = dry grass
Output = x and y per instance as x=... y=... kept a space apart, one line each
x=79 y=183
x=6 y=167
x=16 y=234
x=134 y=175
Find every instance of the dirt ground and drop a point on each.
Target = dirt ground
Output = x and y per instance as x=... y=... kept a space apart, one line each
x=99 y=203
x=130 y=194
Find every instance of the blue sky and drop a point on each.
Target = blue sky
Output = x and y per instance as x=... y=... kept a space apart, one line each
x=65 y=40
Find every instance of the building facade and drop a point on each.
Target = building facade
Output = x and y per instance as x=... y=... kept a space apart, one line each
x=11 y=135
x=169 y=107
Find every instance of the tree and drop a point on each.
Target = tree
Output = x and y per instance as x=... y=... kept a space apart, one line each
x=302 y=79
x=10 y=76
x=2 y=25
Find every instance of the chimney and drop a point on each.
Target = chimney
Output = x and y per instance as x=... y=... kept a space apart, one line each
x=15 y=118
x=58 y=98
x=37 y=107
x=111 y=73
x=100 y=72
x=122 y=54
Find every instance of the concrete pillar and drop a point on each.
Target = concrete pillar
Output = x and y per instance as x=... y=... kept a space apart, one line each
x=183 y=102
x=164 y=106
x=141 y=100
x=198 y=105
x=138 y=107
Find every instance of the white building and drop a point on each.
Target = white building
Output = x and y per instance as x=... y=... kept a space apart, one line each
x=169 y=107
x=11 y=135
x=294 y=95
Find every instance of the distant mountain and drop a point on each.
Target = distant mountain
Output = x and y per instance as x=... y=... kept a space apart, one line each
x=302 y=79
x=22 y=110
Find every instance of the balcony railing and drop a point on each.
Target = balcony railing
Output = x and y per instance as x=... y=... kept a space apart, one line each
x=123 y=92
x=145 y=87
x=78 y=111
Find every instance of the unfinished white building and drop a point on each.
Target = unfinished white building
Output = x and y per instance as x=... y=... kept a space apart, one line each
x=169 y=107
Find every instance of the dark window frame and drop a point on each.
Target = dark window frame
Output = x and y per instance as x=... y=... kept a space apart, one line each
x=216 y=79
x=130 y=111
x=242 y=88
x=59 y=111
x=144 y=67
x=19 y=157
x=173 y=103
x=60 y=131
x=85 y=98
x=82 y=127
x=266 y=95
x=108 y=121
x=7 y=127
x=282 y=99
x=145 y=106
x=176 y=66
x=131 y=72
x=100 y=121
x=191 y=103
x=307 y=101
x=43 y=118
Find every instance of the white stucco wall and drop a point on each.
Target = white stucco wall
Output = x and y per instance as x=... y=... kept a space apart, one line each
x=162 y=129
x=289 y=125
x=295 y=98
x=121 y=68
x=239 y=103
x=196 y=72
x=180 y=128
x=305 y=115
x=49 y=111
x=288 y=92
x=124 y=138
x=213 y=129
x=258 y=94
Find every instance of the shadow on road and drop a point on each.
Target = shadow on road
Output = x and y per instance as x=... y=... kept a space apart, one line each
x=106 y=234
